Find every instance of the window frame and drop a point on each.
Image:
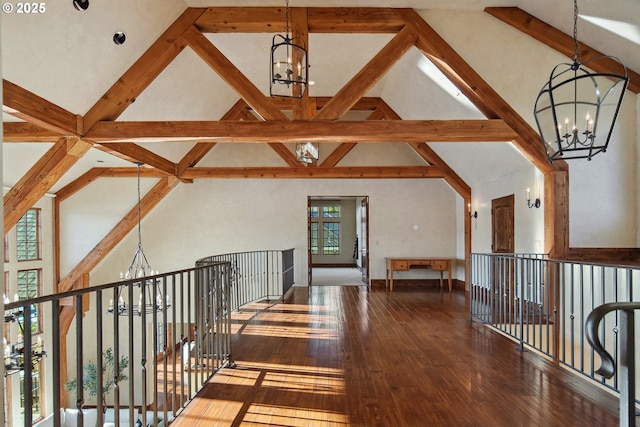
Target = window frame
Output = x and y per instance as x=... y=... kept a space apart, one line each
x=37 y=307
x=25 y=240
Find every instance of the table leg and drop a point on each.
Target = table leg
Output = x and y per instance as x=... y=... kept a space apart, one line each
x=449 y=274
x=441 y=273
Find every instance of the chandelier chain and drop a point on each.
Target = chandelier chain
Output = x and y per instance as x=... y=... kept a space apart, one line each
x=576 y=46
x=286 y=18
x=139 y=228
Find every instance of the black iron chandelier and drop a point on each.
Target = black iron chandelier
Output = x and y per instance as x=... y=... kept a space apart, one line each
x=576 y=109
x=289 y=65
x=307 y=152
x=140 y=271
x=16 y=355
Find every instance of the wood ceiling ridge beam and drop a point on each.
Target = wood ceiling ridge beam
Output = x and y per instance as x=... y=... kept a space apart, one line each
x=143 y=71
x=37 y=111
x=342 y=172
x=231 y=74
x=561 y=42
x=309 y=130
x=118 y=232
x=430 y=43
x=41 y=177
x=372 y=20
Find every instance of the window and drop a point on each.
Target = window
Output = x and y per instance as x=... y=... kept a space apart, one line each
x=331 y=211
x=325 y=229
x=28 y=236
x=36 y=388
x=6 y=248
x=314 y=238
x=29 y=287
x=331 y=238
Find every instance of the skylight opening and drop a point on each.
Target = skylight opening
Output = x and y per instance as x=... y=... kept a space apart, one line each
x=430 y=70
x=622 y=29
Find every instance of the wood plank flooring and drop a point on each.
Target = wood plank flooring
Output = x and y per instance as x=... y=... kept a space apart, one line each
x=345 y=356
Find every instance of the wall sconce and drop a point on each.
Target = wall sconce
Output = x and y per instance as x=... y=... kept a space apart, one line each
x=472 y=215
x=536 y=203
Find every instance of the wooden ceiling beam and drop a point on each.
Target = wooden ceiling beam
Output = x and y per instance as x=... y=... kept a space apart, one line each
x=321 y=20
x=367 y=77
x=231 y=74
x=41 y=177
x=345 y=148
x=469 y=81
x=27 y=132
x=563 y=43
x=200 y=149
x=363 y=20
x=118 y=232
x=309 y=130
x=355 y=172
x=137 y=154
x=430 y=156
x=79 y=183
x=28 y=106
x=140 y=75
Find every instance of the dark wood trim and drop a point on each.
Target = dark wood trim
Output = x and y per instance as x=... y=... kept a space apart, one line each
x=414 y=283
x=625 y=256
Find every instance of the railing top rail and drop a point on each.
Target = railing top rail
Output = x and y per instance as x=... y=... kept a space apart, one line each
x=545 y=258
x=207 y=258
x=106 y=286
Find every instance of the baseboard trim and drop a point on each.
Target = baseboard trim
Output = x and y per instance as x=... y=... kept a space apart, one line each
x=415 y=283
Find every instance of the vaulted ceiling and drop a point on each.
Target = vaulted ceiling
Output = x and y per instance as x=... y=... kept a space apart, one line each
x=192 y=80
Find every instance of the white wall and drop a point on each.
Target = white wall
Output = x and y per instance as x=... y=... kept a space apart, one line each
x=219 y=216
x=603 y=192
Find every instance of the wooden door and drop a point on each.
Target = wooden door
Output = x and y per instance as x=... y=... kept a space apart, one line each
x=502 y=242
x=364 y=233
x=502 y=225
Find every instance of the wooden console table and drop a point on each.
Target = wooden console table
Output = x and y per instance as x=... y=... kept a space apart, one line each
x=404 y=264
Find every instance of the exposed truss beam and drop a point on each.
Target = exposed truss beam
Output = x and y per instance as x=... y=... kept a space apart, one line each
x=117 y=233
x=309 y=130
x=41 y=177
x=436 y=48
x=321 y=20
x=135 y=153
x=560 y=41
x=344 y=172
x=28 y=106
x=368 y=76
x=137 y=78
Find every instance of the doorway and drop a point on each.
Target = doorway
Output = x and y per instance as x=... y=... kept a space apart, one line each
x=338 y=235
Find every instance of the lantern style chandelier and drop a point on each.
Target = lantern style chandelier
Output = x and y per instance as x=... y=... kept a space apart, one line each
x=307 y=152
x=141 y=272
x=289 y=65
x=576 y=109
x=16 y=355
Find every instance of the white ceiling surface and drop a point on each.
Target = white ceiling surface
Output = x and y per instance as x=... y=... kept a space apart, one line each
x=69 y=58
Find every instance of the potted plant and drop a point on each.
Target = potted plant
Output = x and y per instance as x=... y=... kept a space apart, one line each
x=90 y=377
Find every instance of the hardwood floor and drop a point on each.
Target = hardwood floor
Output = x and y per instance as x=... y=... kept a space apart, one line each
x=345 y=356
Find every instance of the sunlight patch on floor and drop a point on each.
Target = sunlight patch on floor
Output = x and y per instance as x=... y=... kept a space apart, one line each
x=291 y=417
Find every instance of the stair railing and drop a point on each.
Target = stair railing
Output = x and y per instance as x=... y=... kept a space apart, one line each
x=627 y=359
